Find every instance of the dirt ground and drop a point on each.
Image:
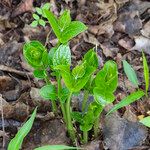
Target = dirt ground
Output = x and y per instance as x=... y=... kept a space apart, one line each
x=119 y=29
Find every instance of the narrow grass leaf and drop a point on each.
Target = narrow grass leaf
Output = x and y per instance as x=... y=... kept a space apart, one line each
x=16 y=142
x=146 y=73
x=146 y=121
x=56 y=147
x=129 y=71
x=127 y=100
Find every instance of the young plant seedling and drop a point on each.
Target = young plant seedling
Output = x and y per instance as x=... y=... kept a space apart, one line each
x=133 y=78
x=39 y=15
x=58 y=57
x=83 y=77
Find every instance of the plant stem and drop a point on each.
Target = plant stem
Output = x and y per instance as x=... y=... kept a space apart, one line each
x=54 y=106
x=69 y=121
x=85 y=98
x=85 y=137
x=96 y=127
x=61 y=104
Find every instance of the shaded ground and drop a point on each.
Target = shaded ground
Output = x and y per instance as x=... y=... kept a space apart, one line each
x=119 y=30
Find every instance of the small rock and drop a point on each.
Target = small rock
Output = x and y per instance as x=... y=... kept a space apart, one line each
x=34 y=93
x=130 y=116
x=121 y=134
x=94 y=145
x=50 y=132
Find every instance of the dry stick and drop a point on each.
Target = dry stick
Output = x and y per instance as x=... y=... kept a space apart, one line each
x=47 y=37
x=3 y=124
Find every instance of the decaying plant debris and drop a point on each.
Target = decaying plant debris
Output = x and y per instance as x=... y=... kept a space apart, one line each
x=118 y=29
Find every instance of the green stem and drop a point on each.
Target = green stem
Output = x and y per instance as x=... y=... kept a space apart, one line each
x=96 y=127
x=85 y=98
x=61 y=104
x=85 y=137
x=54 y=106
x=69 y=120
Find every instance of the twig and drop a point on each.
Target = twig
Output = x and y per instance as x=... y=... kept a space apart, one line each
x=3 y=124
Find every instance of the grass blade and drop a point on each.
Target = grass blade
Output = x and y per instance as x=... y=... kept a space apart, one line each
x=146 y=121
x=129 y=71
x=16 y=142
x=127 y=100
x=146 y=73
x=56 y=147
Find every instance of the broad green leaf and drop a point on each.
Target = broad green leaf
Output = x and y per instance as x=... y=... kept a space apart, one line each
x=51 y=55
x=62 y=55
x=78 y=71
x=42 y=22
x=146 y=73
x=53 y=22
x=46 y=6
x=34 y=23
x=91 y=58
x=78 y=84
x=64 y=20
x=103 y=97
x=48 y=92
x=41 y=74
x=56 y=147
x=16 y=142
x=70 y=82
x=36 y=17
x=128 y=100
x=146 y=121
x=75 y=28
x=38 y=10
x=129 y=71
x=107 y=78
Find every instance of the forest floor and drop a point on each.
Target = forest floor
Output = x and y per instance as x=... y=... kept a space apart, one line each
x=118 y=29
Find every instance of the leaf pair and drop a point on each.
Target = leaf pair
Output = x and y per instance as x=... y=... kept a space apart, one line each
x=76 y=79
x=63 y=28
x=39 y=15
x=87 y=119
x=106 y=82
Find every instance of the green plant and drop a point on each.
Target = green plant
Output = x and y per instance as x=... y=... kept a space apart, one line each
x=146 y=73
x=16 y=142
x=133 y=78
x=130 y=73
x=39 y=15
x=84 y=77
